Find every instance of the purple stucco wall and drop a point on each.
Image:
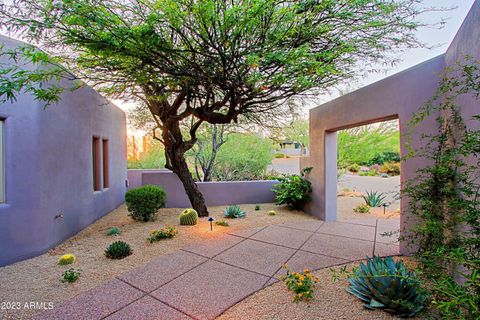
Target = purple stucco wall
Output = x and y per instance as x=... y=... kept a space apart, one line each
x=48 y=166
x=397 y=96
x=215 y=193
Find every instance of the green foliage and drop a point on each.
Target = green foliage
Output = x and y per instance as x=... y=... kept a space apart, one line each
x=444 y=196
x=300 y=283
x=374 y=198
x=368 y=145
x=369 y=173
x=71 y=275
x=114 y=231
x=362 y=208
x=385 y=284
x=293 y=190
x=66 y=259
x=166 y=232
x=144 y=202
x=257 y=207
x=154 y=158
x=233 y=212
x=222 y=223
x=382 y=157
x=118 y=250
x=354 y=167
x=243 y=157
x=188 y=217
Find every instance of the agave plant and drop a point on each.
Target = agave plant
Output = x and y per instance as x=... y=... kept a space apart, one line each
x=385 y=284
x=374 y=198
x=233 y=211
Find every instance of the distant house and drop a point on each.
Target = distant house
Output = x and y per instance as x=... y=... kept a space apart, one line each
x=291 y=148
x=60 y=168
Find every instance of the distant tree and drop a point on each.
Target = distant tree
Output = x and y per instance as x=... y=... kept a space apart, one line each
x=207 y=60
x=297 y=132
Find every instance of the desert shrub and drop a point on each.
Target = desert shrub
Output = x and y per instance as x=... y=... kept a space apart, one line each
x=144 y=202
x=293 y=190
x=272 y=213
x=374 y=198
x=113 y=231
x=188 y=217
x=71 y=275
x=382 y=157
x=118 y=250
x=257 y=207
x=368 y=173
x=385 y=284
x=353 y=167
x=233 y=212
x=279 y=155
x=243 y=157
x=362 y=208
x=66 y=259
x=391 y=168
x=166 y=232
x=300 y=283
x=222 y=223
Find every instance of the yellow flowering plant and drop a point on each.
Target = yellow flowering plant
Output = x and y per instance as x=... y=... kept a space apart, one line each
x=300 y=283
x=66 y=259
x=164 y=233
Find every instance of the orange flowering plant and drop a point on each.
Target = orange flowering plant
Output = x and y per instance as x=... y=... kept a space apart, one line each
x=301 y=283
x=164 y=233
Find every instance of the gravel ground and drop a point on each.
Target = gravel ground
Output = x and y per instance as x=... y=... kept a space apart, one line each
x=38 y=279
x=331 y=301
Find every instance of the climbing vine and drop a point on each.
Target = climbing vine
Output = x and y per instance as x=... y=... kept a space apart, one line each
x=444 y=195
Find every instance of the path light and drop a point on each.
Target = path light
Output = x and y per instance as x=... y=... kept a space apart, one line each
x=385 y=205
x=211 y=223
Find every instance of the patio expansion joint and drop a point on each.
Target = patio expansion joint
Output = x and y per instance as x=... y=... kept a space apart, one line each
x=351 y=238
x=290 y=227
x=294 y=253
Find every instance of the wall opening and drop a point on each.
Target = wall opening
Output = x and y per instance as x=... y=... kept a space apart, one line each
x=368 y=165
x=96 y=164
x=105 y=157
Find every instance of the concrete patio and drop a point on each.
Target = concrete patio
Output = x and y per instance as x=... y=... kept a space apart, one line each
x=203 y=280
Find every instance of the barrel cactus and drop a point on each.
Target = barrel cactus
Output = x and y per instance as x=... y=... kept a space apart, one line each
x=385 y=284
x=188 y=217
x=66 y=259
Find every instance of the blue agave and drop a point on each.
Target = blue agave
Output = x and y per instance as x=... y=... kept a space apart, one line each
x=385 y=284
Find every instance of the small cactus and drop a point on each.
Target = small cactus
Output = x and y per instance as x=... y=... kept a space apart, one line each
x=66 y=259
x=113 y=231
x=257 y=207
x=188 y=217
x=272 y=213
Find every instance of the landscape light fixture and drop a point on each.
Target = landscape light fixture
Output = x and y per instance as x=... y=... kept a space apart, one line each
x=385 y=205
x=211 y=223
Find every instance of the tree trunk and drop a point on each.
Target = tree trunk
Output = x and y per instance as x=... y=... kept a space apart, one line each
x=175 y=149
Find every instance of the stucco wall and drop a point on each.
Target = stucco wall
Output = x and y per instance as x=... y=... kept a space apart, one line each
x=48 y=165
x=397 y=96
x=215 y=193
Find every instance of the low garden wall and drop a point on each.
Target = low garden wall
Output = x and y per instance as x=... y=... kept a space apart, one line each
x=215 y=193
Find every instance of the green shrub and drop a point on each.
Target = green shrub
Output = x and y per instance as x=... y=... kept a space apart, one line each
x=167 y=232
x=66 y=259
x=353 y=167
x=374 y=198
x=113 y=231
x=279 y=155
x=118 y=250
x=362 y=208
x=233 y=212
x=293 y=190
x=385 y=284
x=391 y=168
x=222 y=223
x=382 y=157
x=369 y=173
x=71 y=275
x=144 y=202
x=188 y=217
x=257 y=207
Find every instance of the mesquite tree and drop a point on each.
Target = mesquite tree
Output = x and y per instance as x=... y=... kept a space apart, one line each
x=201 y=61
